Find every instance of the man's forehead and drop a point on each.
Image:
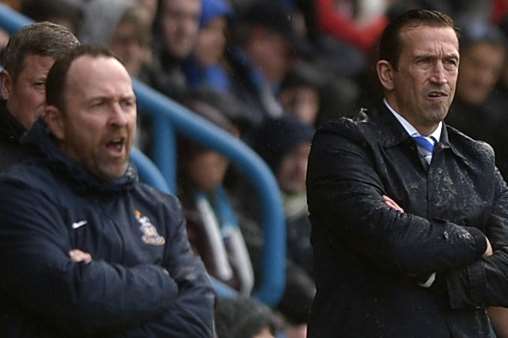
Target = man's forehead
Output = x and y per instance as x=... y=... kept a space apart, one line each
x=30 y=58
x=425 y=38
x=96 y=73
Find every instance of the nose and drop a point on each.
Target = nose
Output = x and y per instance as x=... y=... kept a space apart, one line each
x=439 y=73
x=118 y=116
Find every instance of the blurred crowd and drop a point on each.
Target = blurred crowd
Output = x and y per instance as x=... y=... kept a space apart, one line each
x=269 y=72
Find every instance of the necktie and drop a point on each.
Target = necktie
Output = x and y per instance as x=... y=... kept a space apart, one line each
x=425 y=147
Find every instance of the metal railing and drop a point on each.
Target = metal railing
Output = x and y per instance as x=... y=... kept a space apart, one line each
x=169 y=117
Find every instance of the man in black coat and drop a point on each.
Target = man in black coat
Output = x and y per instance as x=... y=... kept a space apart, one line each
x=27 y=59
x=90 y=251
x=409 y=216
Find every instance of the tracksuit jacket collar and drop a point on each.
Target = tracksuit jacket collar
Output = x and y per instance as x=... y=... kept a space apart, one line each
x=40 y=136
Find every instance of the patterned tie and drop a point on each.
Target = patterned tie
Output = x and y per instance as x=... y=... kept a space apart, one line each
x=425 y=147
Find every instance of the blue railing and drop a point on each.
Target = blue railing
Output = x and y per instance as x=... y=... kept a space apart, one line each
x=169 y=116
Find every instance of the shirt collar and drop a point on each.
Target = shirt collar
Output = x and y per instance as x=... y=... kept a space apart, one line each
x=408 y=127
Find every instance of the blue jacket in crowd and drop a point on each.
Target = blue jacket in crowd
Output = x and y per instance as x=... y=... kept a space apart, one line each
x=143 y=281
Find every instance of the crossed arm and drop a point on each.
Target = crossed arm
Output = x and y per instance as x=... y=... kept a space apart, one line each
x=498 y=315
x=73 y=293
x=392 y=204
x=343 y=185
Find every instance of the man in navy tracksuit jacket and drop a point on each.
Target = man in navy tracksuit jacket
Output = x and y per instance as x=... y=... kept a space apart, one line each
x=88 y=251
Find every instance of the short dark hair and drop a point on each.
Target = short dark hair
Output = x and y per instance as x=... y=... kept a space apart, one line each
x=42 y=39
x=57 y=76
x=390 y=44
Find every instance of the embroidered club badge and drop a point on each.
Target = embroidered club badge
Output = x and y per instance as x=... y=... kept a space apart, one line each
x=150 y=234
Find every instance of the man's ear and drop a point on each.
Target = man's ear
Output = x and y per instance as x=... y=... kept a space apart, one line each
x=6 y=84
x=385 y=74
x=54 y=120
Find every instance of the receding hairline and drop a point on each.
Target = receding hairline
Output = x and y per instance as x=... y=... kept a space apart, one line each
x=74 y=81
x=406 y=29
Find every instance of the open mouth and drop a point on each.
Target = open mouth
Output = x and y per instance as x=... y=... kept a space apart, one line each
x=116 y=145
x=436 y=94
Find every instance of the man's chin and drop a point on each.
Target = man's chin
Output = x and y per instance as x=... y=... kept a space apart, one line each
x=111 y=173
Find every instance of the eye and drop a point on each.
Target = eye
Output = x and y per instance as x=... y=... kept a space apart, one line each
x=40 y=84
x=423 y=60
x=452 y=62
x=128 y=102
x=97 y=103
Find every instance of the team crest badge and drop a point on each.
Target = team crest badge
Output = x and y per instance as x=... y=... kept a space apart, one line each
x=150 y=234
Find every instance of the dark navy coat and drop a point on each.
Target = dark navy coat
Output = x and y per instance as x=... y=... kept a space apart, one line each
x=144 y=280
x=370 y=259
x=11 y=131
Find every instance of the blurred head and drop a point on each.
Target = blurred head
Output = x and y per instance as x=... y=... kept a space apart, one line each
x=293 y=169
x=301 y=101
x=130 y=40
x=91 y=110
x=27 y=58
x=418 y=67
x=269 y=38
x=211 y=39
x=211 y=42
x=61 y=12
x=150 y=6
x=482 y=58
x=300 y=92
x=179 y=25
x=285 y=144
x=243 y=317
x=204 y=167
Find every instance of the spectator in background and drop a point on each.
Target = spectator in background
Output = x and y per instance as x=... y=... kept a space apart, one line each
x=100 y=19
x=27 y=59
x=204 y=67
x=123 y=27
x=131 y=41
x=176 y=27
x=475 y=110
x=213 y=224
x=243 y=318
x=265 y=45
x=150 y=6
x=300 y=92
x=61 y=12
x=285 y=144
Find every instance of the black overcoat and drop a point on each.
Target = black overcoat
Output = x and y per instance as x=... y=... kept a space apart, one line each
x=370 y=259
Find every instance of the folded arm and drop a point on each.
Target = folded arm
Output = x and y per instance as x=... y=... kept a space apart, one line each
x=42 y=278
x=346 y=195
x=485 y=282
x=191 y=313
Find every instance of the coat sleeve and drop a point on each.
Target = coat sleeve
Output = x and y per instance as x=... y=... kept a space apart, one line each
x=39 y=277
x=485 y=282
x=191 y=313
x=345 y=196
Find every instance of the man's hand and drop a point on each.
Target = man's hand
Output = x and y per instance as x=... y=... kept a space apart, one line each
x=488 y=252
x=78 y=256
x=392 y=204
